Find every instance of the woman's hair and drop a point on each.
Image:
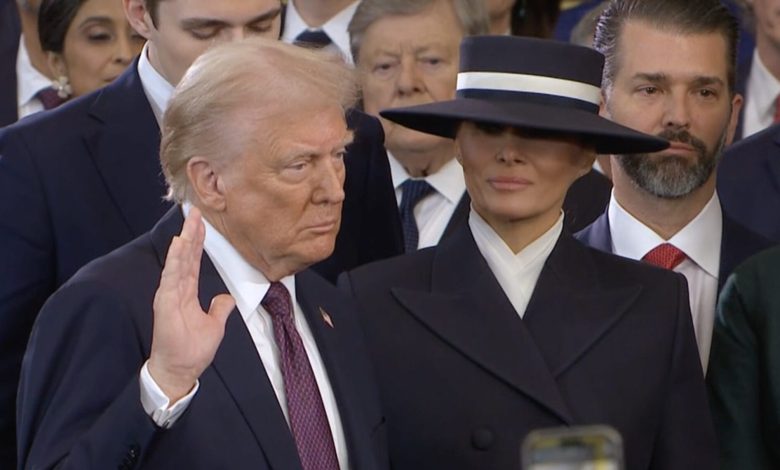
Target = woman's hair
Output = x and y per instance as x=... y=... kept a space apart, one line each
x=54 y=19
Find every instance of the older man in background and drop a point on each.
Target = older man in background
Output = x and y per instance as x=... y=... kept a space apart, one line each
x=407 y=53
x=284 y=383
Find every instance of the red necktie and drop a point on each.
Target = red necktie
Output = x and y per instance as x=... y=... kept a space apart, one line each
x=777 y=110
x=665 y=255
x=308 y=420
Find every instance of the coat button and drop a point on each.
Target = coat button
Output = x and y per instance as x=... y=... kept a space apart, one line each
x=482 y=439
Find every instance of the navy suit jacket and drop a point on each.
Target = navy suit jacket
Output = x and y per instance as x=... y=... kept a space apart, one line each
x=749 y=182
x=79 y=401
x=736 y=245
x=78 y=181
x=9 y=48
x=463 y=379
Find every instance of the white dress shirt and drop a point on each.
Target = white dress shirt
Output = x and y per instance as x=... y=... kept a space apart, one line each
x=699 y=240
x=248 y=286
x=335 y=28
x=435 y=210
x=29 y=81
x=156 y=88
x=761 y=94
x=518 y=273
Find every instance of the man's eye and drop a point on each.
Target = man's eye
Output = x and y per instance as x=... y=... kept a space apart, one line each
x=260 y=27
x=648 y=90
x=204 y=34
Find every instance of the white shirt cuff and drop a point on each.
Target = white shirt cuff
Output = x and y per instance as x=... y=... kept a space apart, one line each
x=156 y=404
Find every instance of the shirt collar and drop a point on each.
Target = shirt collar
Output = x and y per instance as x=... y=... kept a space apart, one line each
x=500 y=257
x=245 y=283
x=763 y=88
x=700 y=240
x=157 y=89
x=335 y=28
x=30 y=81
x=448 y=181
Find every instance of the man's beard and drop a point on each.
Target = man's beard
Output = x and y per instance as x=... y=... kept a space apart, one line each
x=671 y=176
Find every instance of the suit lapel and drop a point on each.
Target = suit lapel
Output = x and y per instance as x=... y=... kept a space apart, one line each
x=569 y=310
x=467 y=308
x=335 y=334
x=597 y=234
x=236 y=363
x=459 y=217
x=124 y=145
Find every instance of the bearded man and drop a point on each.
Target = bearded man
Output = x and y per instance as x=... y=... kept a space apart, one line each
x=669 y=71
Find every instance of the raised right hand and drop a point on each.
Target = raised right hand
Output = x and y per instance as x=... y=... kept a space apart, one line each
x=185 y=338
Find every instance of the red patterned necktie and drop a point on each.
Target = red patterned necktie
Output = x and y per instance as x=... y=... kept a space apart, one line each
x=665 y=256
x=308 y=421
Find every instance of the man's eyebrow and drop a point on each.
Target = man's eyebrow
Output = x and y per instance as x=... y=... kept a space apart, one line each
x=706 y=80
x=195 y=23
x=651 y=77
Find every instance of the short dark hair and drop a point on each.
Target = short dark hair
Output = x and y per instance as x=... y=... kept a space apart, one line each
x=684 y=16
x=54 y=19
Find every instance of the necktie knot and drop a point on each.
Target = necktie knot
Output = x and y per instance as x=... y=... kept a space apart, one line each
x=665 y=256
x=49 y=98
x=317 y=39
x=277 y=301
x=412 y=192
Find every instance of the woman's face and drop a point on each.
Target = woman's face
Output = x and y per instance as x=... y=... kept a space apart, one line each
x=514 y=175
x=98 y=47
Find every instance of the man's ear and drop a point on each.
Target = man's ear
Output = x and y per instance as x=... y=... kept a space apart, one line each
x=139 y=17
x=206 y=183
x=736 y=106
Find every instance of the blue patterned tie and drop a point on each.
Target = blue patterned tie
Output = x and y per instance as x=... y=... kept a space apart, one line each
x=412 y=192
x=308 y=420
x=315 y=39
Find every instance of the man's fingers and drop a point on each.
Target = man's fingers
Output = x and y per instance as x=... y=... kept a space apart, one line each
x=221 y=307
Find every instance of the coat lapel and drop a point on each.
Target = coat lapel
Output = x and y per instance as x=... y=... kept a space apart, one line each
x=467 y=308
x=336 y=336
x=236 y=363
x=124 y=146
x=569 y=310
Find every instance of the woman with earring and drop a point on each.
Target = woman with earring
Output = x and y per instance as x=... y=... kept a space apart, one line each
x=510 y=324
x=88 y=42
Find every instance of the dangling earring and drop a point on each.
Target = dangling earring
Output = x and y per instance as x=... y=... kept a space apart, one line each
x=62 y=86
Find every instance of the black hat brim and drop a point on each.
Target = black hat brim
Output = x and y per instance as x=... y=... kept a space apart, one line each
x=443 y=118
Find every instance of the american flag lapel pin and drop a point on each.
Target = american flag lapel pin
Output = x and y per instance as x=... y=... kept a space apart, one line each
x=326 y=317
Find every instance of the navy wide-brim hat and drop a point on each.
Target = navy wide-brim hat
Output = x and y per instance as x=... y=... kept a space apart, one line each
x=532 y=84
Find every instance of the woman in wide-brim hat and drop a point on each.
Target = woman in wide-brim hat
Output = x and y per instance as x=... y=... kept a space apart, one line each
x=510 y=324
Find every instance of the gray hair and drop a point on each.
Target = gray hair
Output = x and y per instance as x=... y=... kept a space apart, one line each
x=681 y=16
x=215 y=110
x=472 y=15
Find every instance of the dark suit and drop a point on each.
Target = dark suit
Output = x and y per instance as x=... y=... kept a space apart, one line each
x=79 y=401
x=737 y=243
x=744 y=371
x=81 y=180
x=463 y=379
x=749 y=182
x=9 y=48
